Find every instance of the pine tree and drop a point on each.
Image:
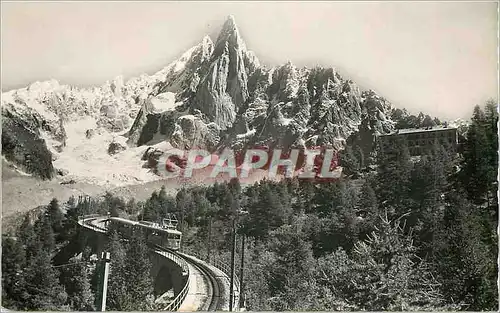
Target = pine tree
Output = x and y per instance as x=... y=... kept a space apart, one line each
x=393 y=177
x=332 y=273
x=349 y=161
x=328 y=198
x=137 y=268
x=112 y=205
x=77 y=285
x=491 y=126
x=234 y=186
x=151 y=208
x=45 y=233
x=475 y=168
x=27 y=236
x=56 y=217
x=184 y=207
x=467 y=256
x=71 y=203
x=305 y=193
x=429 y=184
x=266 y=214
x=42 y=284
x=428 y=122
x=131 y=207
x=291 y=282
x=368 y=199
x=70 y=222
x=117 y=298
x=13 y=264
x=383 y=273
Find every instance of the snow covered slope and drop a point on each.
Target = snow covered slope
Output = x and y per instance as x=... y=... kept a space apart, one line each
x=214 y=95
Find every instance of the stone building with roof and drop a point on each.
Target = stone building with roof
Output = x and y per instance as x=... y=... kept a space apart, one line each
x=420 y=140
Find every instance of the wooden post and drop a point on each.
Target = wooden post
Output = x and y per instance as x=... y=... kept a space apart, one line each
x=233 y=253
x=209 y=246
x=242 y=264
x=106 y=258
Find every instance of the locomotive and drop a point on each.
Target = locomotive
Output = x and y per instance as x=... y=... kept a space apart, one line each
x=163 y=234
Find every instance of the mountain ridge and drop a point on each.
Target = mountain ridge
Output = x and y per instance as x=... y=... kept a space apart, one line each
x=216 y=94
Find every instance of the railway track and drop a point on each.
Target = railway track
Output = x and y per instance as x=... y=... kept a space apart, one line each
x=215 y=283
x=215 y=287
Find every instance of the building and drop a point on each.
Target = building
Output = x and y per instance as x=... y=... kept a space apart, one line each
x=420 y=140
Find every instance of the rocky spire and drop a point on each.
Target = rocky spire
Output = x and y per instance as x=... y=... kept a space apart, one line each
x=225 y=85
x=229 y=35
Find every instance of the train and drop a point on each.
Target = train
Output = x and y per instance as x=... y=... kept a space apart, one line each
x=163 y=234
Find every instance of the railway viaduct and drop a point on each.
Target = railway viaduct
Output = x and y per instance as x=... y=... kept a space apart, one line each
x=197 y=285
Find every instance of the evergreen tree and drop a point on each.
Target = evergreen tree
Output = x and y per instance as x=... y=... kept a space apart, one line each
x=368 y=200
x=13 y=265
x=27 y=236
x=45 y=234
x=113 y=205
x=428 y=122
x=291 y=274
x=56 y=217
x=258 y=276
x=467 y=256
x=151 y=208
x=393 y=177
x=185 y=207
x=131 y=207
x=137 y=270
x=332 y=274
x=42 y=284
x=305 y=194
x=349 y=161
x=475 y=172
x=235 y=187
x=338 y=225
x=117 y=298
x=491 y=126
x=328 y=198
x=77 y=285
x=167 y=204
x=383 y=273
x=71 y=203
x=70 y=222
x=429 y=185
x=266 y=214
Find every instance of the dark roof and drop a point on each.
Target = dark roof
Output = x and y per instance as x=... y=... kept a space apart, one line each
x=145 y=224
x=418 y=130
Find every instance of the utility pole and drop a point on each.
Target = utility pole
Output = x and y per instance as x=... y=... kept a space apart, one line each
x=105 y=283
x=233 y=253
x=209 y=239
x=242 y=264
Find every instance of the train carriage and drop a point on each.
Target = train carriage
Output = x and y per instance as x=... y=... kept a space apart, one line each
x=161 y=234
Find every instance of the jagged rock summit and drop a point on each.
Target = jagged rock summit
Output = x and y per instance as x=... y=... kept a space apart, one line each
x=223 y=89
x=215 y=95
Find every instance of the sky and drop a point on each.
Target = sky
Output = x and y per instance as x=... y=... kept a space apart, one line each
x=435 y=57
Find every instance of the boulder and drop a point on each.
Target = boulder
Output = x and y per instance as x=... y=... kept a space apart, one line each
x=62 y=172
x=89 y=133
x=115 y=147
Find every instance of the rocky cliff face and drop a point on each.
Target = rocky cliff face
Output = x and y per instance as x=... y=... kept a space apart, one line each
x=214 y=95
x=246 y=103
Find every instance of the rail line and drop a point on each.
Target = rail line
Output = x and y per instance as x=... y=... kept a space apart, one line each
x=215 y=283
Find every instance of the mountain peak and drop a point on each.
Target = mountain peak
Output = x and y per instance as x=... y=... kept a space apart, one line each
x=230 y=34
x=230 y=21
x=206 y=40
